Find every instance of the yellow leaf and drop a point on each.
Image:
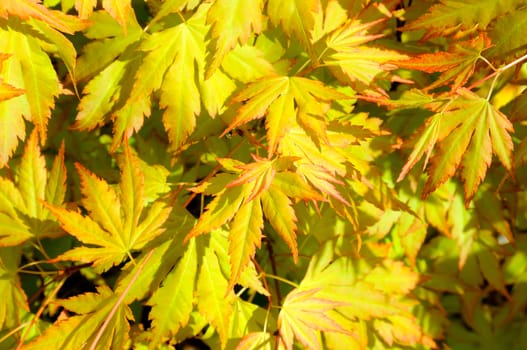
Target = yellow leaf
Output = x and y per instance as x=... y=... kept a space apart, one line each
x=212 y=301
x=304 y=314
x=233 y=21
x=85 y=7
x=280 y=213
x=121 y=10
x=245 y=236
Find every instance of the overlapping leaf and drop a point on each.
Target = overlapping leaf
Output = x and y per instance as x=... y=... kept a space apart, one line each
x=450 y=17
x=456 y=65
x=118 y=223
x=277 y=97
x=22 y=214
x=233 y=22
x=92 y=311
x=469 y=130
x=349 y=58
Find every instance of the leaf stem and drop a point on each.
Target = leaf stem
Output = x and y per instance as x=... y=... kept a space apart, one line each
x=13 y=331
x=281 y=279
x=39 y=313
x=119 y=302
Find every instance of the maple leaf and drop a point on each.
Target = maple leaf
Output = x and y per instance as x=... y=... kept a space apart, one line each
x=471 y=130
x=278 y=96
x=297 y=17
x=85 y=7
x=245 y=236
x=7 y=91
x=11 y=291
x=26 y=9
x=352 y=61
x=121 y=10
x=113 y=226
x=169 y=66
x=458 y=16
x=506 y=35
x=279 y=211
x=29 y=69
x=92 y=311
x=22 y=214
x=303 y=314
x=108 y=43
x=172 y=303
x=261 y=173
x=232 y=22
x=210 y=293
x=247 y=64
x=456 y=65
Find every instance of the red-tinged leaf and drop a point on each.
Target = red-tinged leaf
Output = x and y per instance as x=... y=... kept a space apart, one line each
x=303 y=314
x=322 y=180
x=245 y=235
x=281 y=215
x=85 y=7
x=211 y=298
x=233 y=22
x=7 y=91
x=172 y=303
x=471 y=130
x=259 y=174
x=222 y=208
x=477 y=158
x=32 y=8
x=101 y=201
x=121 y=10
x=456 y=65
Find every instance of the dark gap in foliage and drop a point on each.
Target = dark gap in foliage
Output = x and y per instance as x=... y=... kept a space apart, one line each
x=75 y=284
x=145 y=320
x=192 y=344
x=195 y=205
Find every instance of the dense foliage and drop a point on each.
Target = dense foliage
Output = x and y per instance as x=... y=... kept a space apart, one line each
x=263 y=174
